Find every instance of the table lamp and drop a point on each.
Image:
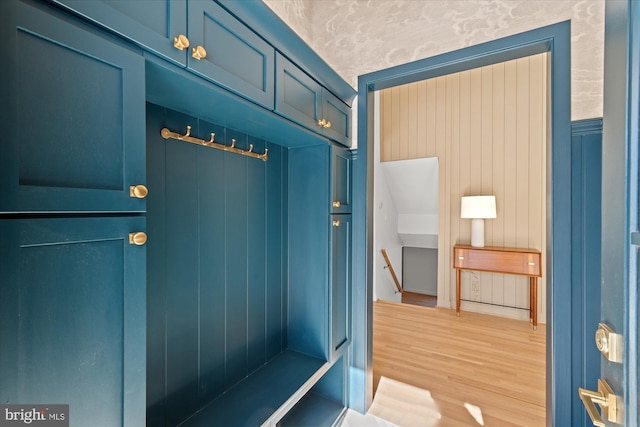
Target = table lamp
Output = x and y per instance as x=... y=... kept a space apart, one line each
x=477 y=208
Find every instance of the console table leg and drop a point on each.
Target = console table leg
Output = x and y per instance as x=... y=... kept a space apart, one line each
x=457 y=292
x=530 y=299
x=535 y=303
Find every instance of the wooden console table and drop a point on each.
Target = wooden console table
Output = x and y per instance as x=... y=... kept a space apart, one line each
x=523 y=262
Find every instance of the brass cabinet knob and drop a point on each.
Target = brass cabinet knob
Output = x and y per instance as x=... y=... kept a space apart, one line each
x=181 y=42
x=336 y=223
x=324 y=123
x=199 y=52
x=139 y=238
x=138 y=191
x=336 y=204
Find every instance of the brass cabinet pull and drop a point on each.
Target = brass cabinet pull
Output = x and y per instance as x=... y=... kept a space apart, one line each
x=607 y=401
x=532 y=263
x=327 y=124
x=181 y=42
x=138 y=238
x=336 y=204
x=199 y=52
x=336 y=223
x=138 y=191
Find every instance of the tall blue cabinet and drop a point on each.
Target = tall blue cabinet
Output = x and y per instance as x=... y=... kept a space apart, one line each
x=150 y=281
x=72 y=258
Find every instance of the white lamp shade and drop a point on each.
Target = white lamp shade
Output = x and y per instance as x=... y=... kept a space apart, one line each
x=478 y=207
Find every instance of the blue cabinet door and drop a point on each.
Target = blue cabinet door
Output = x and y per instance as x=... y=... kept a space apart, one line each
x=298 y=96
x=73 y=317
x=341 y=180
x=337 y=115
x=153 y=24
x=303 y=100
x=73 y=114
x=232 y=55
x=340 y=284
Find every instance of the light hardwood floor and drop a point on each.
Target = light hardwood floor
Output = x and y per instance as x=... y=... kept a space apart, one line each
x=419 y=299
x=494 y=363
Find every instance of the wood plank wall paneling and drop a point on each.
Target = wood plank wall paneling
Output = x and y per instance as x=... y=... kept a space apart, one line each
x=487 y=126
x=216 y=289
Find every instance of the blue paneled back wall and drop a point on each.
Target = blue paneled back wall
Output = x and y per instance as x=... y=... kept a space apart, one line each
x=216 y=273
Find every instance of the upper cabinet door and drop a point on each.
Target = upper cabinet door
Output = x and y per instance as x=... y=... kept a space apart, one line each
x=341 y=180
x=337 y=118
x=158 y=25
x=73 y=117
x=302 y=99
x=226 y=51
x=298 y=96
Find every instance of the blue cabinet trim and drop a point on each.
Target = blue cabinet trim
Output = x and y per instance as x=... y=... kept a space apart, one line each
x=308 y=252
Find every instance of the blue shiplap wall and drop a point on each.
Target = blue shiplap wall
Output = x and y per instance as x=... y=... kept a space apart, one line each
x=216 y=285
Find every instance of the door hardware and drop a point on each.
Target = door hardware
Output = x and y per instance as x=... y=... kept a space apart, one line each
x=605 y=398
x=609 y=343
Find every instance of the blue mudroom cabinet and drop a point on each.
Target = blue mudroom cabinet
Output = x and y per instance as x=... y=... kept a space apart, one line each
x=150 y=281
x=197 y=34
x=72 y=185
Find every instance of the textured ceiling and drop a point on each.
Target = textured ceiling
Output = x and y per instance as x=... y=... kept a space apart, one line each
x=357 y=37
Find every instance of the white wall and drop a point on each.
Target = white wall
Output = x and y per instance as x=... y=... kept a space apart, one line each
x=414 y=188
x=385 y=219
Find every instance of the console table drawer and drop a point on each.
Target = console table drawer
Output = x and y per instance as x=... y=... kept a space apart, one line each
x=507 y=261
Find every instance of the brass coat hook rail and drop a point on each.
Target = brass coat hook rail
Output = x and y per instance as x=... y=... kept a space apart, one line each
x=166 y=134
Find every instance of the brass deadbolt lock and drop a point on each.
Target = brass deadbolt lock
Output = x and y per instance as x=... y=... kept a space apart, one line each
x=609 y=343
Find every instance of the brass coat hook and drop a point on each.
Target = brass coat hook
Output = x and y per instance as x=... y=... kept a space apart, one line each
x=167 y=134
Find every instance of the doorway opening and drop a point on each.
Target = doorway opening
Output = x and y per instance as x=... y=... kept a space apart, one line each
x=486 y=129
x=555 y=40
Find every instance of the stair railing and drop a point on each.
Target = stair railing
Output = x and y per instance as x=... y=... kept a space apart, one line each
x=391 y=270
